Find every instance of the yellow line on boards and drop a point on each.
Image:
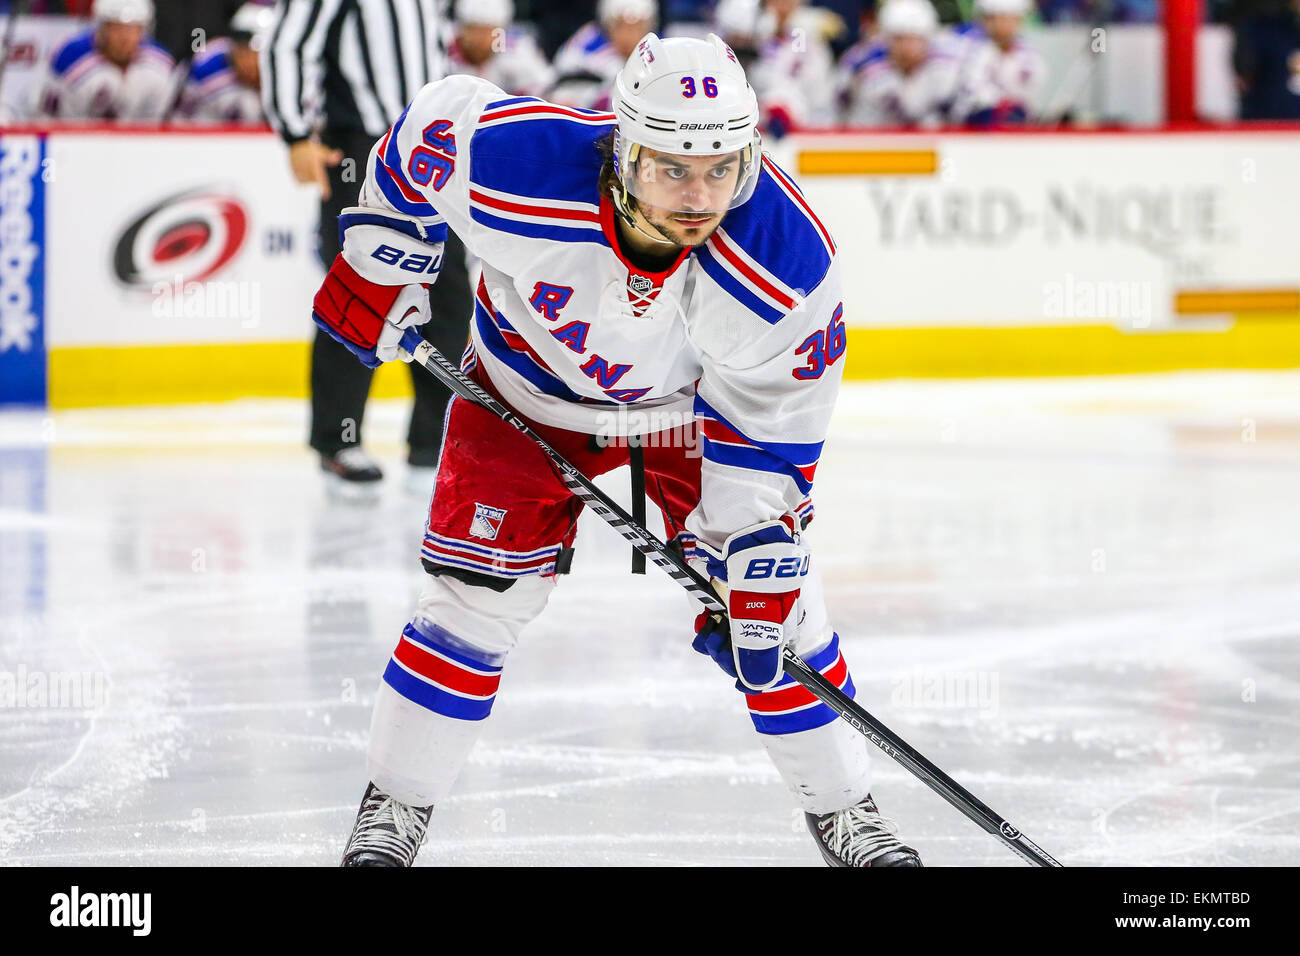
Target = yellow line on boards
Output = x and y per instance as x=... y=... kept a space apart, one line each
x=164 y=374
x=161 y=374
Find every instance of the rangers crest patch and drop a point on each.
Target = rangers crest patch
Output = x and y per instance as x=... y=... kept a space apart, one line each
x=487 y=521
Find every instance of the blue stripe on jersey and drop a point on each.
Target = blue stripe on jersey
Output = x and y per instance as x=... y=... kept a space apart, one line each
x=435 y=698
x=384 y=179
x=392 y=155
x=434 y=233
x=73 y=50
x=548 y=157
x=510 y=101
x=797 y=453
x=518 y=362
x=536 y=230
x=856 y=59
x=597 y=41
x=777 y=234
x=392 y=158
x=755 y=459
x=738 y=290
x=208 y=66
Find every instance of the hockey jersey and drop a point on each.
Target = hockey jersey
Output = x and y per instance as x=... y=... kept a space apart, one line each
x=744 y=333
x=794 y=77
x=995 y=85
x=213 y=94
x=875 y=93
x=585 y=68
x=79 y=83
x=519 y=67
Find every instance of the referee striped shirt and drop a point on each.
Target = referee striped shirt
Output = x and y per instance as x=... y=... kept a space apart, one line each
x=348 y=65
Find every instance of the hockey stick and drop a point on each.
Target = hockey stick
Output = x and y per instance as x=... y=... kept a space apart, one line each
x=681 y=572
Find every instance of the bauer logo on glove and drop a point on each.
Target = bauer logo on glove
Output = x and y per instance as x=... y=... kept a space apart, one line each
x=762 y=570
x=378 y=286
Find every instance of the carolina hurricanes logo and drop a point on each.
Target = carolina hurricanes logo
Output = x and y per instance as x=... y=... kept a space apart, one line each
x=192 y=235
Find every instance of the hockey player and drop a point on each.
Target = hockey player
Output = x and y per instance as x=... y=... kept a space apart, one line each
x=590 y=59
x=485 y=45
x=110 y=72
x=794 y=72
x=225 y=82
x=911 y=80
x=651 y=259
x=1000 y=74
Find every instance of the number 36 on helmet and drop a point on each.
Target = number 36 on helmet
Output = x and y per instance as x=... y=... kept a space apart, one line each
x=678 y=100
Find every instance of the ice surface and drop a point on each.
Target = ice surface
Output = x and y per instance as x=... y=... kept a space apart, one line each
x=1081 y=598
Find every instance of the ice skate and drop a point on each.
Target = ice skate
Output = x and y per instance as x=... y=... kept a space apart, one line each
x=860 y=836
x=387 y=832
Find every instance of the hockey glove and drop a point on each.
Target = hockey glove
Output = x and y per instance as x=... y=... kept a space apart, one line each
x=367 y=317
x=379 y=285
x=763 y=568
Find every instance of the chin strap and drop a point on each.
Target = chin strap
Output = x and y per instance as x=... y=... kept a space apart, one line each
x=619 y=198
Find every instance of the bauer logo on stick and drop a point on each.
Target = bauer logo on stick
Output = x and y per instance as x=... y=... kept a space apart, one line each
x=487 y=521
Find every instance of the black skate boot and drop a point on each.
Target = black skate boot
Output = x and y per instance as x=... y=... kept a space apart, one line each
x=387 y=833
x=352 y=473
x=860 y=836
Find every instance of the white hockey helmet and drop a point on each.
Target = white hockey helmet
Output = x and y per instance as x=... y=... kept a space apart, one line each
x=988 y=8
x=251 y=24
x=123 y=11
x=737 y=19
x=685 y=97
x=908 y=18
x=611 y=11
x=488 y=13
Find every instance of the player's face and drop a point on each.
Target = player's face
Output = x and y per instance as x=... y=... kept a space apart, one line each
x=685 y=197
x=907 y=51
x=1002 y=28
x=626 y=34
x=478 y=41
x=782 y=9
x=119 y=41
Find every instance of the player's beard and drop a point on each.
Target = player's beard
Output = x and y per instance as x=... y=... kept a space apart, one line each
x=683 y=234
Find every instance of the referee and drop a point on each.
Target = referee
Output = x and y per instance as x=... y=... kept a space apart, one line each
x=336 y=74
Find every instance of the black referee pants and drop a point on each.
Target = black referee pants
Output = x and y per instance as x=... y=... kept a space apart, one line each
x=339 y=383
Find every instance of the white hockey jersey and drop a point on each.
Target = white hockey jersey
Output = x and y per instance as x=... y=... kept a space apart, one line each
x=585 y=68
x=1007 y=83
x=520 y=67
x=794 y=77
x=876 y=94
x=213 y=93
x=744 y=332
x=78 y=83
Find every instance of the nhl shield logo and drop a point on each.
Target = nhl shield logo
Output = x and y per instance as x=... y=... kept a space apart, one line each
x=640 y=284
x=487 y=521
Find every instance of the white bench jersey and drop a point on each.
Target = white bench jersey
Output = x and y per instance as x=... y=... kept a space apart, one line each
x=79 y=83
